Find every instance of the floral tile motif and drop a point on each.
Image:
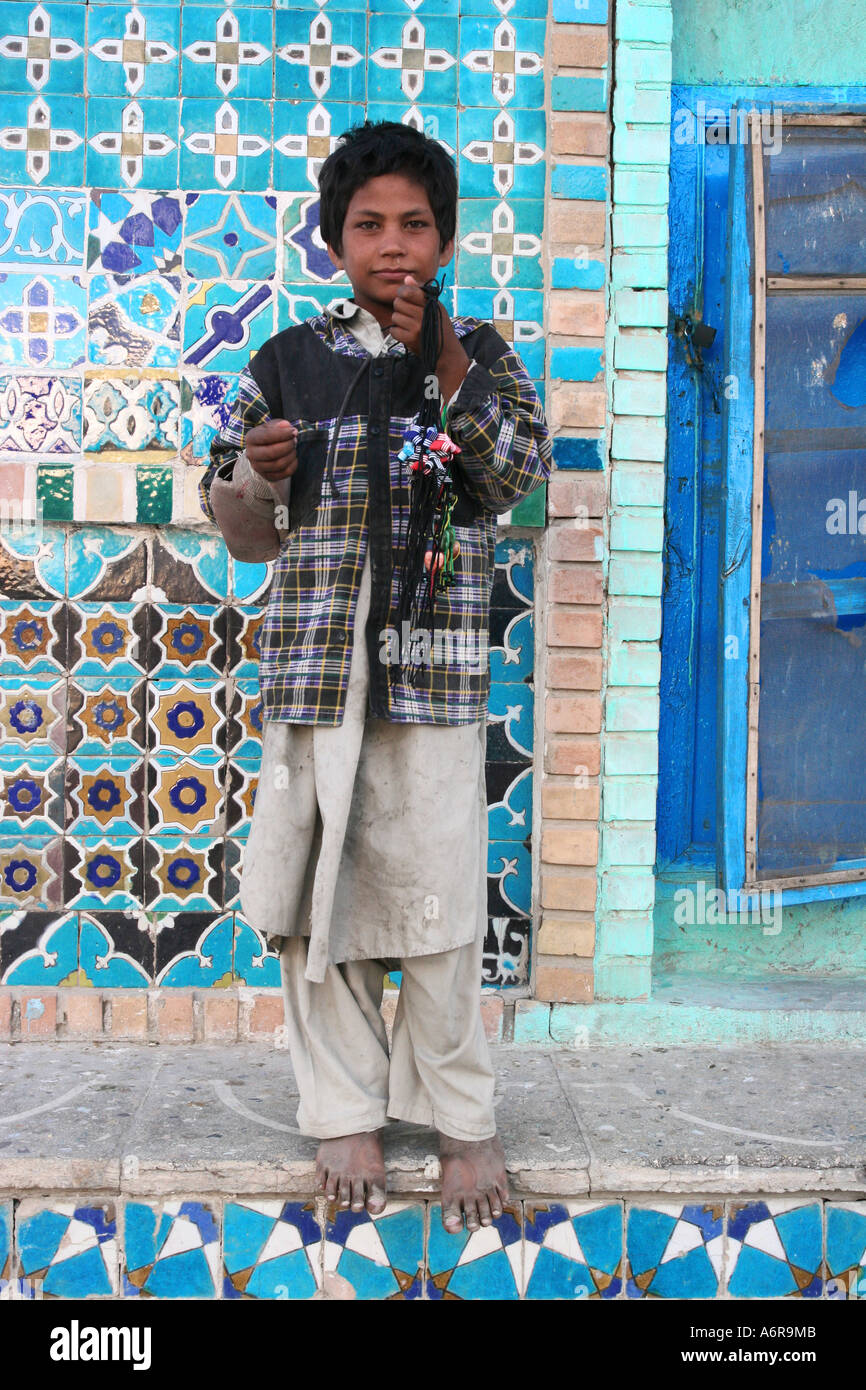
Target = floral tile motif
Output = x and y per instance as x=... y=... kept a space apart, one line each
x=133 y=144
x=44 y=47
x=206 y=404
x=31 y=797
x=106 y=714
x=188 y=641
x=509 y=879
x=187 y=567
x=227 y=52
x=305 y=133
x=572 y=1250
x=226 y=143
x=38 y=947
x=184 y=875
x=134 y=233
x=134 y=320
x=106 y=562
x=242 y=783
x=42 y=228
x=72 y=1250
x=375 y=1257
x=195 y=948
x=226 y=322
x=245 y=724
x=113 y=951
x=502 y=64
x=185 y=796
x=484 y=1264
x=512 y=653
x=518 y=317
x=499 y=244
x=415 y=57
x=501 y=153
x=505 y=961
x=32 y=715
x=103 y=872
x=509 y=723
x=271 y=1249
x=43 y=321
x=253 y=963
x=774 y=1249
x=171 y=1250
x=131 y=414
x=42 y=140
x=133 y=52
x=321 y=54
x=107 y=639
x=674 y=1250
x=305 y=257
x=105 y=796
x=846 y=1250
x=186 y=718
x=230 y=237
x=298 y=302
x=509 y=800
x=40 y=414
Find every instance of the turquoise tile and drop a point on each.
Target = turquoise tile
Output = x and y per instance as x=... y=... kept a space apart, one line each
x=45 y=228
x=846 y=1249
x=579 y=181
x=320 y=55
x=171 y=1250
x=132 y=233
x=230 y=237
x=580 y=11
x=438 y=122
x=49 y=962
x=494 y=73
x=518 y=317
x=185 y=873
x=271 y=1249
x=226 y=322
x=512 y=652
x=298 y=302
x=304 y=257
x=576 y=363
x=509 y=817
x=91 y=551
x=253 y=964
x=133 y=52
x=208 y=964
x=674 y=1250
x=43 y=48
x=499 y=243
x=43 y=320
x=225 y=144
x=774 y=1249
x=27 y=156
x=412 y=59
x=104 y=872
x=71 y=1250
x=5 y=1241
x=509 y=879
x=132 y=143
x=502 y=153
x=484 y=1264
x=578 y=94
x=134 y=320
x=206 y=404
x=40 y=415
x=105 y=796
x=579 y=273
x=104 y=966
x=305 y=132
x=227 y=53
x=378 y=1256
x=572 y=1250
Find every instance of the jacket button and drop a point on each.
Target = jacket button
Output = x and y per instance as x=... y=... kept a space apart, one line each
x=374 y=429
x=378 y=371
x=340 y=635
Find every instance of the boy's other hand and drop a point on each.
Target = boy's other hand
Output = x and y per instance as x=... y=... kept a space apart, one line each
x=272 y=449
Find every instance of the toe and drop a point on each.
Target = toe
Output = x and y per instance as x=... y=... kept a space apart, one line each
x=375 y=1198
x=344 y=1191
x=332 y=1179
x=357 y=1194
x=484 y=1210
x=472 y=1221
x=452 y=1219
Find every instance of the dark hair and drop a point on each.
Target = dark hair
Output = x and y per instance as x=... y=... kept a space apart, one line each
x=385 y=147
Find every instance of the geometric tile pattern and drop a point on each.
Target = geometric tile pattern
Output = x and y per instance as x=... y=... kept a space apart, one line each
x=158 y=168
x=539 y=1249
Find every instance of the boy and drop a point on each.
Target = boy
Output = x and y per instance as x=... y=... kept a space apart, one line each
x=367 y=849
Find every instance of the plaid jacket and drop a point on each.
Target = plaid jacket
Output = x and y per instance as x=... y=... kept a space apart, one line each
x=309 y=374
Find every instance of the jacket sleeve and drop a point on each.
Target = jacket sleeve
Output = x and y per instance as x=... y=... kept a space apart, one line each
x=498 y=421
x=236 y=498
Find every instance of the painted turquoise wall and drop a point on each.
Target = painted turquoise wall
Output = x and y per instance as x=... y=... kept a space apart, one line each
x=784 y=41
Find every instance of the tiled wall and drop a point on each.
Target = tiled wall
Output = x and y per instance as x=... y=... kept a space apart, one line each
x=262 y=1248
x=158 y=221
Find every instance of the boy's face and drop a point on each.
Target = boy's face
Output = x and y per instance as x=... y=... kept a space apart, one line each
x=389 y=227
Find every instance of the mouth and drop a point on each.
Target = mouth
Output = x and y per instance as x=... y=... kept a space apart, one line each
x=392 y=275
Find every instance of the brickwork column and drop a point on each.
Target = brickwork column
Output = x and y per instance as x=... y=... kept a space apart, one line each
x=572 y=578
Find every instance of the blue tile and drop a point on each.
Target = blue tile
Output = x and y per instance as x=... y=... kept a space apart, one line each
x=510 y=816
x=510 y=721
x=380 y=1257
x=304 y=257
x=509 y=879
x=580 y=11
x=134 y=320
x=226 y=144
x=512 y=659
x=579 y=181
x=230 y=237
x=134 y=233
x=846 y=1249
x=102 y=965
x=518 y=317
x=43 y=320
x=71 y=1250
x=304 y=134
x=579 y=273
x=578 y=453
x=5 y=1240
x=40 y=414
x=227 y=53
x=190 y=967
x=133 y=52
x=171 y=1250
x=132 y=143
x=271 y=1249
x=42 y=228
x=48 y=963
x=674 y=1250
x=496 y=73
x=206 y=406
x=572 y=1250
x=499 y=243
x=43 y=47
x=253 y=964
x=321 y=55
x=32 y=159
x=774 y=1249
x=226 y=322
x=578 y=93
x=576 y=363
x=483 y=1264
x=412 y=59
x=502 y=153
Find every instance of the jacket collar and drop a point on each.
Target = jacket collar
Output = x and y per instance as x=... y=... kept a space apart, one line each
x=334 y=324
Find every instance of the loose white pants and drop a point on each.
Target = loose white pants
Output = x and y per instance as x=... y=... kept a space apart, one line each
x=438 y=1071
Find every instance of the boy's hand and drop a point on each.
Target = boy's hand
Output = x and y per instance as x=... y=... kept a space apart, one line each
x=272 y=449
x=408 y=311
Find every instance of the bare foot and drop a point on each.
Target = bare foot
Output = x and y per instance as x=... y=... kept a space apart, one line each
x=474 y=1182
x=351 y=1171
